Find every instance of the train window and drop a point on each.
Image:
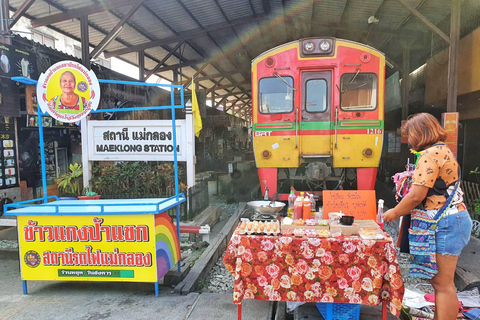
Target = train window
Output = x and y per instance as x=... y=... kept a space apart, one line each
x=359 y=91
x=316 y=100
x=275 y=96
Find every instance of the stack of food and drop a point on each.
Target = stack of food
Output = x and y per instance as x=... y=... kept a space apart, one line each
x=259 y=227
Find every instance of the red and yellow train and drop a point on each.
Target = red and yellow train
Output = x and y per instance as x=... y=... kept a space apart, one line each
x=318 y=116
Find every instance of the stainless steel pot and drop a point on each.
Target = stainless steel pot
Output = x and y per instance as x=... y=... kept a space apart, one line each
x=266 y=206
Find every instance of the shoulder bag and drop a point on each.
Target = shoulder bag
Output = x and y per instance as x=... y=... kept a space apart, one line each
x=421 y=237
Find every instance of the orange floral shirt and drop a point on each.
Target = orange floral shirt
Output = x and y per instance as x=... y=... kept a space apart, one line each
x=436 y=169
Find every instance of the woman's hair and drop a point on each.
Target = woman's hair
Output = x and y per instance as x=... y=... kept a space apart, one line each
x=423 y=131
x=68 y=72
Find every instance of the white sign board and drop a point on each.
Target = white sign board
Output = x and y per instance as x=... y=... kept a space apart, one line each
x=136 y=140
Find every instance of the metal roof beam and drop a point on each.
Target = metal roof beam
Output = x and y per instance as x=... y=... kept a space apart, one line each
x=106 y=5
x=229 y=86
x=234 y=102
x=417 y=14
x=157 y=67
x=218 y=104
x=178 y=66
x=115 y=31
x=21 y=10
x=188 y=35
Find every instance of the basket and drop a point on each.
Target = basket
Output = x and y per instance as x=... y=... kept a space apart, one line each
x=339 y=311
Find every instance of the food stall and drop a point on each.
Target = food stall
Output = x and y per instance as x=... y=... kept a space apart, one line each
x=318 y=260
x=131 y=240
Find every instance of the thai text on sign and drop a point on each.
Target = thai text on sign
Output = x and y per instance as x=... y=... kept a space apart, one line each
x=358 y=203
x=136 y=140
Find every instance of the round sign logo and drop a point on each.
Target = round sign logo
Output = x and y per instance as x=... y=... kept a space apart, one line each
x=68 y=91
x=32 y=259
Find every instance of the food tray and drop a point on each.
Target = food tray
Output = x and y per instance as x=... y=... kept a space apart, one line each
x=371 y=233
x=304 y=226
x=259 y=227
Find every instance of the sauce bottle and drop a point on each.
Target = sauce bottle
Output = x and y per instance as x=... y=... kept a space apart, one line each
x=298 y=208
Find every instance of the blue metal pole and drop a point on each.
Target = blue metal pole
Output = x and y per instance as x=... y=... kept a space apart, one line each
x=24 y=285
x=42 y=155
x=156 y=289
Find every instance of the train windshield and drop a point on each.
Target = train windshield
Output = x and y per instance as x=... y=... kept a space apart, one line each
x=316 y=95
x=359 y=91
x=275 y=95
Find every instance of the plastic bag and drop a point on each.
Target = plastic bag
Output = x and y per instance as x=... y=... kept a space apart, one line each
x=292 y=305
x=470 y=298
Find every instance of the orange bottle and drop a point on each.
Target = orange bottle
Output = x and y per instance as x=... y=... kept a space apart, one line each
x=307 y=208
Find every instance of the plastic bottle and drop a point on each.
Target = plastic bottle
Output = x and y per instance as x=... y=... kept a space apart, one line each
x=298 y=208
x=380 y=213
x=291 y=204
x=313 y=211
x=307 y=208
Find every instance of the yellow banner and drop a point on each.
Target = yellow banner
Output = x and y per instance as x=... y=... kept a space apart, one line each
x=88 y=248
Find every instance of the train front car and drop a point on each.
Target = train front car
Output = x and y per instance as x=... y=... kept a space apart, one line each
x=318 y=116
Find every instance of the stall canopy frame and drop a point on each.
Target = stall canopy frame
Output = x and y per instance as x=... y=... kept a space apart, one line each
x=178 y=198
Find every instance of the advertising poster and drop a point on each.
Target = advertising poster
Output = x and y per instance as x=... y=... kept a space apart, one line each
x=8 y=160
x=14 y=62
x=88 y=248
x=68 y=91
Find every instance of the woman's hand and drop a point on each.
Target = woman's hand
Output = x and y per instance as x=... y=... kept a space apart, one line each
x=390 y=215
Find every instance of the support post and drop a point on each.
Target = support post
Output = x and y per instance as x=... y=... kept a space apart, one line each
x=24 y=285
x=452 y=86
x=405 y=80
x=85 y=41
x=4 y=25
x=141 y=65
x=190 y=133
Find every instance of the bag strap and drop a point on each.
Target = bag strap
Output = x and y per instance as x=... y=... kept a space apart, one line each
x=447 y=203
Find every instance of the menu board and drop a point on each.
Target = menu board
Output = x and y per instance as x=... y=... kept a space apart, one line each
x=8 y=158
x=358 y=203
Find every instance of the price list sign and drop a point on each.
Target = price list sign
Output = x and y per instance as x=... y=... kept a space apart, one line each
x=8 y=161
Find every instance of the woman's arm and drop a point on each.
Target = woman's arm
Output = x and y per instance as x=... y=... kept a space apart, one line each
x=414 y=197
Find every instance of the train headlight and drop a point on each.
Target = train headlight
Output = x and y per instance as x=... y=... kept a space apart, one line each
x=317 y=47
x=309 y=46
x=325 y=45
x=266 y=154
x=367 y=152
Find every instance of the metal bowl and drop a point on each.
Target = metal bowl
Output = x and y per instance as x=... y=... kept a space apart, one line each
x=266 y=206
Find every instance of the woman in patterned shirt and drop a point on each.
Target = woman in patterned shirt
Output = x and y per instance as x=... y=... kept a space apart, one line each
x=434 y=179
x=68 y=101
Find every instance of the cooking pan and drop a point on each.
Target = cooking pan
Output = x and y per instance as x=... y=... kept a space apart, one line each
x=266 y=206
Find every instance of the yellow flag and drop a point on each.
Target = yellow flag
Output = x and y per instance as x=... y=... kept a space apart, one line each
x=197 y=119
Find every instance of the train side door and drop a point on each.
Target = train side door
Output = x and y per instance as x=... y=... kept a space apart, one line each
x=315 y=114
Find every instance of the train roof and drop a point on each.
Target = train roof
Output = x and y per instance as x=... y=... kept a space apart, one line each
x=299 y=40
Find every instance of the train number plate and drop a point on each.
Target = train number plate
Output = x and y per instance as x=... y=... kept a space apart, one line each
x=374 y=131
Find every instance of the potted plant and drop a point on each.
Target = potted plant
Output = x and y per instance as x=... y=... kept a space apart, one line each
x=89 y=195
x=70 y=183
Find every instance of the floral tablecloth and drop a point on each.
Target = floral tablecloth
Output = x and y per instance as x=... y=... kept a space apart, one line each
x=286 y=268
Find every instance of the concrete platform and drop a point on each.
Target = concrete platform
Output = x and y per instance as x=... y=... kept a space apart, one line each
x=468 y=266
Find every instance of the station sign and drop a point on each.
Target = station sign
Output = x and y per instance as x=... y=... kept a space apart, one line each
x=68 y=91
x=136 y=140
